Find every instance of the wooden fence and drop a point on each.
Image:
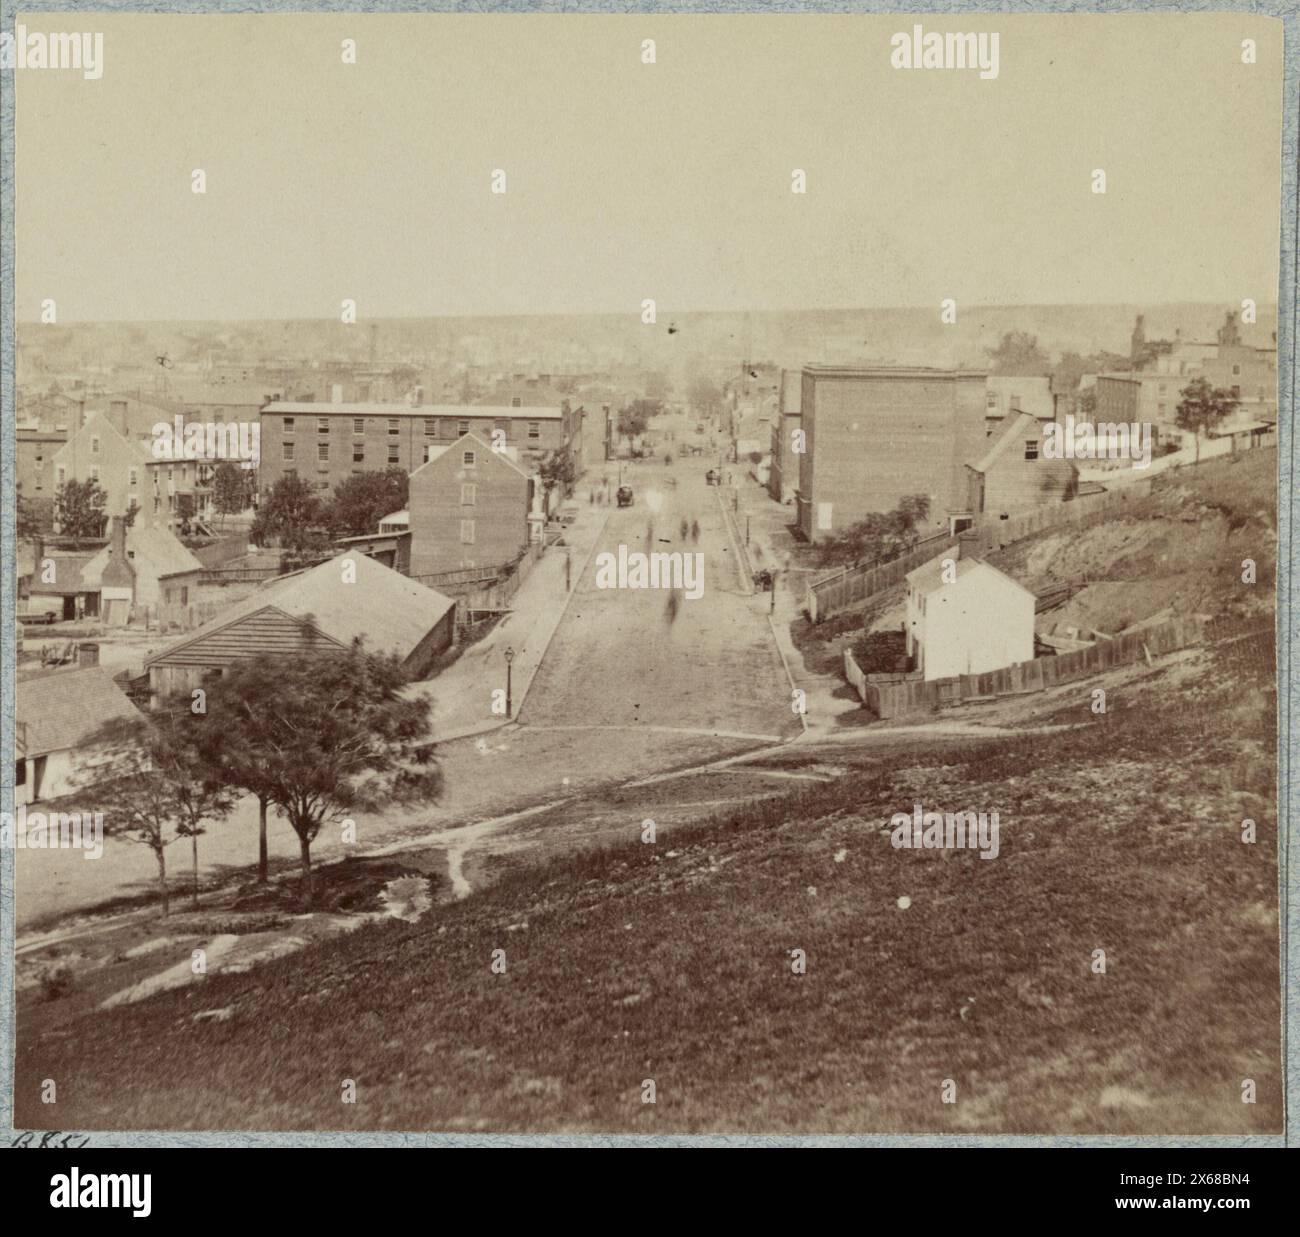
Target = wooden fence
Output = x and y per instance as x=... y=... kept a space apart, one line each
x=856 y=584
x=894 y=696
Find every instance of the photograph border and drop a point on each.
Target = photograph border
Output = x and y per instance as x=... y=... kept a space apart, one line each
x=1289 y=512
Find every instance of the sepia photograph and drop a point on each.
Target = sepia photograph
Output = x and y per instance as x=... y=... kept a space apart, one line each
x=603 y=575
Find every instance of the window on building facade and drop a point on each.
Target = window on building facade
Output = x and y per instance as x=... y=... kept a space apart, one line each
x=94 y=446
x=467 y=532
x=288 y=425
x=516 y=402
x=358 y=426
x=61 y=474
x=132 y=476
x=468 y=495
x=469 y=459
x=392 y=453
x=1031 y=448
x=462 y=427
x=286 y=450
x=323 y=451
x=394 y=427
x=358 y=453
x=322 y=425
x=534 y=429
x=94 y=472
x=430 y=427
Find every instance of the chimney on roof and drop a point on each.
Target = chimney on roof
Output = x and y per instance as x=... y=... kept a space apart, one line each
x=117 y=416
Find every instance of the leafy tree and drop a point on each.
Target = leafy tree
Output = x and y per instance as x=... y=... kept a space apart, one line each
x=633 y=420
x=1203 y=407
x=334 y=737
x=1018 y=354
x=79 y=509
x=559 y=469
x=1070 y=368
x=404 y=377
x=292 y=514
x=230 y=488
x=361 y=501
x=878 y=537
x=155 y=782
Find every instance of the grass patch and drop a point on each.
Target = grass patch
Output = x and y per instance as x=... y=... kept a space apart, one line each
x=671 y=962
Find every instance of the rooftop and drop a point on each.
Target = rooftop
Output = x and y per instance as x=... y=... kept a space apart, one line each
x=928 y=577
x=820 y=370
x=396 y=615
x=60 y=710
x=1021 y=425
x=544 y=412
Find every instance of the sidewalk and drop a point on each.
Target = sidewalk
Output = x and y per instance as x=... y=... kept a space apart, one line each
x=768 y=523
x=462 y=694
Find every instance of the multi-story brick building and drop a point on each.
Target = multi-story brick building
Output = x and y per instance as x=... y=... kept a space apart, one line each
x=1142 y=397
x=468 y=507
x=34 y=465
x=325 y=443
x=876 y=434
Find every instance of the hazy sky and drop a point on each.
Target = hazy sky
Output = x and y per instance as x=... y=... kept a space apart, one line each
x=624 y=181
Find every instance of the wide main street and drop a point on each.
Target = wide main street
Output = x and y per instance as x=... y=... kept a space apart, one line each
x=654 y=657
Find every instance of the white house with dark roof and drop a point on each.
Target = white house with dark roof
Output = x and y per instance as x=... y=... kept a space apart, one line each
x=964 y=616
x=58 y=713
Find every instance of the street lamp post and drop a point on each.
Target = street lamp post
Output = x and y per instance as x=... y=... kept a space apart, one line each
x=510 y=657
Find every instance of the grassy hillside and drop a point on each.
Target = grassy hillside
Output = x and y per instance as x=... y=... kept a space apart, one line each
x=671 y=962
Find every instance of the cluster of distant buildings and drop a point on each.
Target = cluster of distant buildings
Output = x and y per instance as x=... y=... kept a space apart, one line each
x=476 y=505
x=1151 y=390
x=841 y=442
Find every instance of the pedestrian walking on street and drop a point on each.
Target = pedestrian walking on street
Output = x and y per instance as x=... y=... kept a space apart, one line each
x=684 y=530
x=674 y=602
x=695 y=530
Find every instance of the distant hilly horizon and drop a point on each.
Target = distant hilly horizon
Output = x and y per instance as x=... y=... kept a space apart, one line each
x=571 y=342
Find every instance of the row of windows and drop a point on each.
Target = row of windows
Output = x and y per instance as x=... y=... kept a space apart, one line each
x=288 y=453
x=324 y=425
